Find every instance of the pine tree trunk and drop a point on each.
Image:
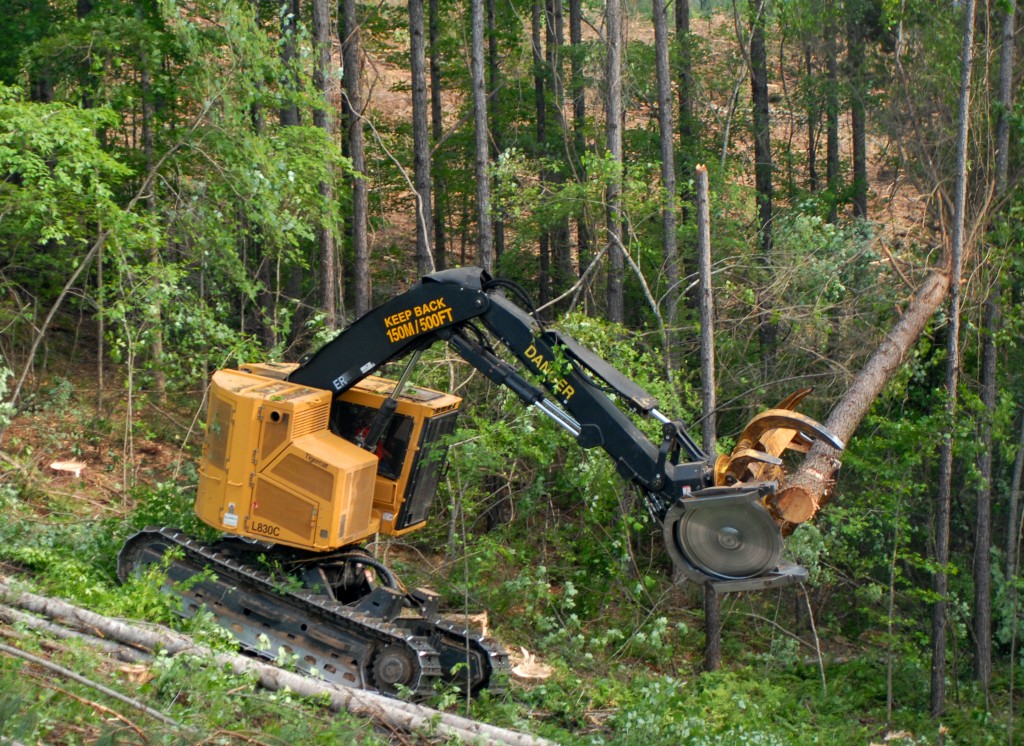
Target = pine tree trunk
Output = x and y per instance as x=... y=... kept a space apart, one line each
x=485 y=232
x=685 y=82
x=615 y=297
x=832 y=116
x=945 y=487
x=493 y=84
x=352 y=106
x=420 y=139
x=561 y=251
x=983 y=522
x=668 y=167
x=437 y=132
x=767 y=328
x=540 y=104
x=577 y=90
x=328 y=278
x=855 y=54
x=712 y=602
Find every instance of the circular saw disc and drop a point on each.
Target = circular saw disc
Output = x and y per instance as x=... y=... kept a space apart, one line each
x=729 y=541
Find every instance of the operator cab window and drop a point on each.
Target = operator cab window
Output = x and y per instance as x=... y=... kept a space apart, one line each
x=352 y=422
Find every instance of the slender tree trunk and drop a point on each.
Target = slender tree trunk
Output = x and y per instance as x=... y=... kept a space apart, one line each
x=493 y=84
x=832 y=116
x=767 y=328
x=615 y=297
x=855 y=54
x=812 y=124
x=577 y=90
x=1014 y=509
x=540 y=103
x=945 y=487
x=983 y=523
x=352 y=107
x=685 y=82
x=322 y=118
x=437 y=132
x=712 y=603
x=156 y=349
x=561 y=251
x=1006 y=54
x=485 y=231
x=420 y=139
x=668 y=165
x=289 y=112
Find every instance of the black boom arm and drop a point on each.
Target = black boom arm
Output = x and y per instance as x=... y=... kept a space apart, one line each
x=579 y=384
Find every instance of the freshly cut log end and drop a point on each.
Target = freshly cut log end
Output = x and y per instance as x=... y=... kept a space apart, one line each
x=793 y=504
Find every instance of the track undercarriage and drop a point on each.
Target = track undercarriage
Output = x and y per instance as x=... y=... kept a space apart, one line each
x=343 y=617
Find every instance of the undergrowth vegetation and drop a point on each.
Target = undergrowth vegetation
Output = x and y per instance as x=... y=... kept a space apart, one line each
x=546 y=538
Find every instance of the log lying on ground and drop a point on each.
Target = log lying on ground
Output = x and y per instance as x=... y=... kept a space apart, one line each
x=397 y=714
x=807 y=489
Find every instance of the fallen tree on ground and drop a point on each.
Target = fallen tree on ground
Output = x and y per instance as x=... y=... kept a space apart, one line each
x=395 y=713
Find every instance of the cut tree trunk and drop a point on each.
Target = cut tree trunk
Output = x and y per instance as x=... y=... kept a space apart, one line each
x=807 y=489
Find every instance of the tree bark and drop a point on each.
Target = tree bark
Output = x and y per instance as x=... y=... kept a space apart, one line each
x=328 y=278
x=808 y=488
x=983 y=522
x=712 y=603
x=289 y=112
x=437 y=132
x=493 y=84
x=685 y=82
x=577 y=90
x=669 y=250
x=615 y=297
x=767 y=327
x=485 y=230
x=945 y=487
x=832 y=114
x=1006 y=55
x=540 y=104
x=352 y=106
x=156 y=349
x=420 y=139
x=856 y=36
x=1013 y=529
x=561 y=251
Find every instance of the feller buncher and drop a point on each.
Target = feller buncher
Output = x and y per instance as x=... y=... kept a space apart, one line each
x=303 y=463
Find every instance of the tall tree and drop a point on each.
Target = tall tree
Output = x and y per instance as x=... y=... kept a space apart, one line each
x=615 y=297
x=856 y=47
x=989 y=391
x=832 y=111
x=577 y=91
x=945 y=486
x=493 y=85
x=712 y=603
x=437 y=131
x=540 y=104
x=420 y=138
x=685 y=77
x=668 y=165
x=485 y=230
x=352 y=107
x=561 y=252
x=322 y=77
x=761 y=118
